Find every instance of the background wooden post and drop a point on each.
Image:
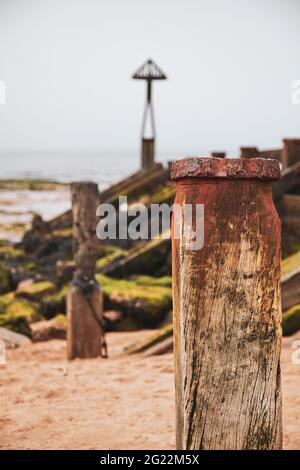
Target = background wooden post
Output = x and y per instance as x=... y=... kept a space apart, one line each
x=227 y=313
x=84 y=333
x=290 y=152
x=249 y=152
x=147 y=152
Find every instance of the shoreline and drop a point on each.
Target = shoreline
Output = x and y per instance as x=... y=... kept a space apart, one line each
x=20 y=199
x=32 y=184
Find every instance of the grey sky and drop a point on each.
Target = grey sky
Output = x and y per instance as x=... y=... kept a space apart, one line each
x=67 y=65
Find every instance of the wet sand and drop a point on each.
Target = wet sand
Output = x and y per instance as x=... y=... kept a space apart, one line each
x=120 y=403
x=17 y=208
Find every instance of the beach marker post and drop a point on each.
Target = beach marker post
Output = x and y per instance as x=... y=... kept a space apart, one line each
x=148 y=71
x=227 y=307
x=85 y=333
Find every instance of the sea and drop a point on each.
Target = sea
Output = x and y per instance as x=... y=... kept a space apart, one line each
x=105 y=167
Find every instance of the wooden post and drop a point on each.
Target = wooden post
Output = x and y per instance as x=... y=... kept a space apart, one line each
x=84 y=334
x=227 y=313
x=290 y=152
x=249 y=152
x=147 y=152
x=218 y=154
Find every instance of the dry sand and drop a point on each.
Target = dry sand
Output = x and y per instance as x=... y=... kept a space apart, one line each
x=119 y=403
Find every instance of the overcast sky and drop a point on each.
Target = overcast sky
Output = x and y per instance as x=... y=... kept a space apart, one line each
x=67 y=66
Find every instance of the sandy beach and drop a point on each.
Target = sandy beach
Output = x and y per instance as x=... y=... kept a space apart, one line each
x=120 y=403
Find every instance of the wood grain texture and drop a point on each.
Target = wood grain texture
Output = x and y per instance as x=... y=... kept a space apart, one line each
x=227 y=319
x=83 y=332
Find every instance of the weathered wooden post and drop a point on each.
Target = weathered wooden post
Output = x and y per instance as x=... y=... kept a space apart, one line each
x=290 y=152
x=218 y=154
x=249 y=152
x=227 y=313
x=84 y=302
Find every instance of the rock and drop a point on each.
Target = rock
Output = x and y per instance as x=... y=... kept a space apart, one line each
x=4 y=280
x=291 y=321
x=10 y=253
x=16 y=314
x=10 y=258
x=31 y=290
x=45 y=330
x=112 y=319
x=38 y=231
x=143 y=305
x=55 y=303
x=45 y=245
x=112 y=316
x=290 y=264
x=12 y=339
x=144 y=259
x=22 y=273
x=24 y=284
x=108 y=254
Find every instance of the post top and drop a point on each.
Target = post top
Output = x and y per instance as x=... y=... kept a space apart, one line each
x=149 y=70
x=267 y=169
x=291 y=140
x=84 y=184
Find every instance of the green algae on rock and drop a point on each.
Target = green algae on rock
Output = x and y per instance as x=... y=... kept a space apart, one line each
x=35 y=290
x=4 y=280
x=9 y=252
x=142 y=305
x=164 y=281
x=290 y=264
x=17 y=314
x=109 y=254
x=291 y=320
x=55 y=303
x=143 y=259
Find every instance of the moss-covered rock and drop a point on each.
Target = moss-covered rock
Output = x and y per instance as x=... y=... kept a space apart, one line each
x=26 y=269
x=165 y=281
x=45 y=330
x=291 y=321
x=9 y=252
x=55 y=303
x=290 y=264
x=35 y=290
x=142 y=305
x=144 y=259
x=4 y=280
x=109 y=254
x=17 y=314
